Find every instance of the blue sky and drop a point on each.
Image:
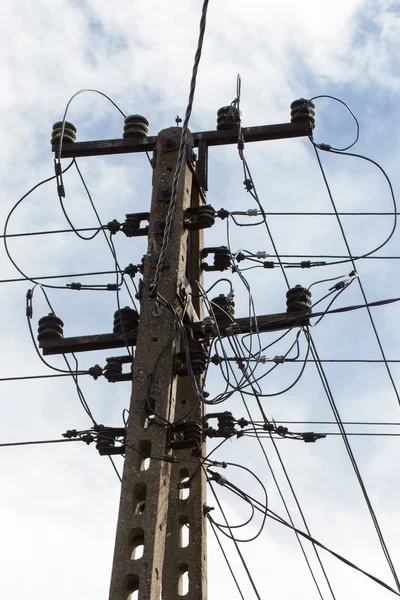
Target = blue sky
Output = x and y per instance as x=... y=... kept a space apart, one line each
x=59 y=503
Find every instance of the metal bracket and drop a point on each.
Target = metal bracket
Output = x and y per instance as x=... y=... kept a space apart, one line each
x=158 y=228
x=154 y=261
x=164 y=193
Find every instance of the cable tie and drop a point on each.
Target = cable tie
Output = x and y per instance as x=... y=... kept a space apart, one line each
x=61 y=190
x=252 y=212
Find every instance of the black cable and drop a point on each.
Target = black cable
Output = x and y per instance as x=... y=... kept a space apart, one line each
x=340 y=150
x=50 y=232
x=279 y=519
x=225 y=557
x=336 y=414
x=8 y=220
x=253 y=585
x=36 y=442
x=377 y=337
x=35 y=279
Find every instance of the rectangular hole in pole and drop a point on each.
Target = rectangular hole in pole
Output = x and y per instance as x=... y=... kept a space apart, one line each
x=137 y=543
x=139 y=498
x=132 y=588
x=183 y=532
x=183 y=583
x=142 y=461
x=184 y=484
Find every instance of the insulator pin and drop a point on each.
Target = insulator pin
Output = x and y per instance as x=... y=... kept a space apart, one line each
x=228 y=117
x=208 y=326
x=50 y=328
x=298 y=299
x=303 y=110
x=69 y=134
x=136 y=127
x=125 y=320
x=187 y=435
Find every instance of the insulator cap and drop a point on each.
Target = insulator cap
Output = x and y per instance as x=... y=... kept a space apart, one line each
x=222 y=258
x=224 y=310
x=303 y=110
x=136 y=127
x=112 y=369
x=298 y=299
x=228 y=117
x=69 y=135
x=50 y=328
x=198 y=360
x=125 y=320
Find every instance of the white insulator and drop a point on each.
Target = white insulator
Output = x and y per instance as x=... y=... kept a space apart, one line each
x=261 y=254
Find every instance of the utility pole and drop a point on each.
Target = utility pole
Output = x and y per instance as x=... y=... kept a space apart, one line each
x=152 y=511
x=160 y=548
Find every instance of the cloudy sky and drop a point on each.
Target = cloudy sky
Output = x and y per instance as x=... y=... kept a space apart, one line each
x=58 y=506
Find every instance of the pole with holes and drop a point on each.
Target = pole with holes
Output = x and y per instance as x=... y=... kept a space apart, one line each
x=154 y=557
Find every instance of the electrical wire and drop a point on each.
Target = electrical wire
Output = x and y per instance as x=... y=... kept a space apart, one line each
x=182 y=149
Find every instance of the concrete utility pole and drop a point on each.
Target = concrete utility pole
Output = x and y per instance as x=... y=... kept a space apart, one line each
x=160 y=549
x=153 y=513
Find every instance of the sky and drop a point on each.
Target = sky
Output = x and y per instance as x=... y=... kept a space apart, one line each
x=59 y=503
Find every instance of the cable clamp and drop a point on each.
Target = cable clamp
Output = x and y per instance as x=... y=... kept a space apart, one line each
x=248 y=185
x=261 y=254
x=262 y=359
x=279 y=360
x=29 y=308
x=325 y=147
x=338 y=286
x=252 y=212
